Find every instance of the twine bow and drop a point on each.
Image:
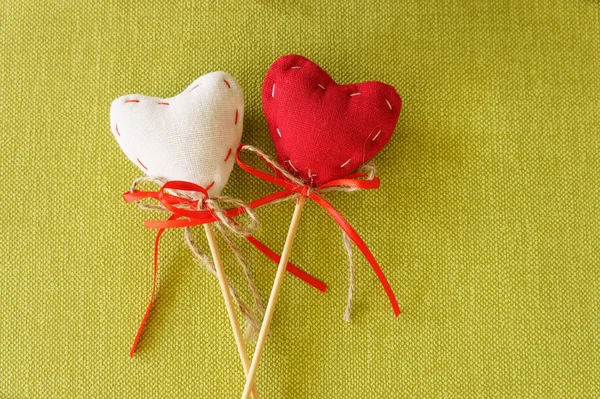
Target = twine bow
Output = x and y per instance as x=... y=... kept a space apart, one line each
x=363 y=180
x=190 y=205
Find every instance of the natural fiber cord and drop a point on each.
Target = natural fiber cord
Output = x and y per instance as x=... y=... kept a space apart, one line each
x=487 y=222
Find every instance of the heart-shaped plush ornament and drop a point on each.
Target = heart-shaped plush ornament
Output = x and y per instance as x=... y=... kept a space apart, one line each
x=324 y=131
x=191 y=137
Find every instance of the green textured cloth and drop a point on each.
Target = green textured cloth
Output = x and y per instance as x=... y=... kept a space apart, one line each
x=487 y=222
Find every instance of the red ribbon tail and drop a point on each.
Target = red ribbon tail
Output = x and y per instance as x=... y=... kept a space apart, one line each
x=353 y=181
x=139 y=331
x=155 y=268
x=358 y=241
x=301 y=274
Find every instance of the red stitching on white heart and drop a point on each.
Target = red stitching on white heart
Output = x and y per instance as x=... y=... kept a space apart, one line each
x=321 y=86
x=117 y=129
x=291 y=164
x=163 y=103
x=228 y=154
x=209 y=186
x=236 y=116
x=345 y=163
x=132 y=101
x=388 y=103
x=377 y=135
x=278 y=132
x=227 y=83
x=193 y=88
x=354 y=94
x=273 y=90
x=140 y=162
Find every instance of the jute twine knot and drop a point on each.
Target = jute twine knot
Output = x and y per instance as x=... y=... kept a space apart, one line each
x=305 y=189
x=225 y=225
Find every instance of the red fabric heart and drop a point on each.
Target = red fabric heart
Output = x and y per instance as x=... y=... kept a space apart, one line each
x=323 y=130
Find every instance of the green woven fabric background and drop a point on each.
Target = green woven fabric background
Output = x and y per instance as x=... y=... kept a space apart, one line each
x=487 y=222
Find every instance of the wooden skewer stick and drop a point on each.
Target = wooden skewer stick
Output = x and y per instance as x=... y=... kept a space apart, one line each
x=264 y=329
x=235 y=325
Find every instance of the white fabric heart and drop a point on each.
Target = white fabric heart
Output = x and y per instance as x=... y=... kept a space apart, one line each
x=192 y=136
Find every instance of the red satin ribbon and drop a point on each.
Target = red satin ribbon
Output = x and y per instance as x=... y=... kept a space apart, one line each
x=351 y=181
x=193 y=217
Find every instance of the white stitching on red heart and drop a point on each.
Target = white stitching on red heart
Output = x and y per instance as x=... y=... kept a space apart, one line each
x=295 y=159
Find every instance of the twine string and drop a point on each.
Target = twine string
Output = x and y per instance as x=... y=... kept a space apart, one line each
x=253 y=325
x=214 y=205
x=366 y=172
x=348 y=247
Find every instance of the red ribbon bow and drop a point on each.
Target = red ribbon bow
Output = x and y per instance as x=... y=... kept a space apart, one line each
x=291 y=188
x=187 y=212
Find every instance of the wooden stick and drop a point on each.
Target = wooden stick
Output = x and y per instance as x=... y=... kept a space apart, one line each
x=235 y=325
x=264 y=329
